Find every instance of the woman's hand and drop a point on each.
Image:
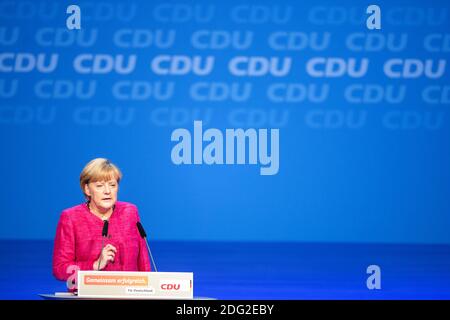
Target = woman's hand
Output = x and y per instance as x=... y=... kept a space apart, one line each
x=107 y=255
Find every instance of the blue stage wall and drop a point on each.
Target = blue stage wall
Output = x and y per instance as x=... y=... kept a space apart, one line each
x=363 y=116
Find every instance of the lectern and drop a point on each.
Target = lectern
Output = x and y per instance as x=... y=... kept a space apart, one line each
x=135 y=285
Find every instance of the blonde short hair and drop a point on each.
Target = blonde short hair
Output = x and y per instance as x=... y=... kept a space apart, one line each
x=99 y=169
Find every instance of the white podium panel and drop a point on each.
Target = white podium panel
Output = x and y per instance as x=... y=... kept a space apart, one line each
x=135 y=285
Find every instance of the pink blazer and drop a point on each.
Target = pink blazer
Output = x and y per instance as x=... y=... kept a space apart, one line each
x=78 y=240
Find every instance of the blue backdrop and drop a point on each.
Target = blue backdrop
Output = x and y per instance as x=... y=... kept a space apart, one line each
x=363 y=116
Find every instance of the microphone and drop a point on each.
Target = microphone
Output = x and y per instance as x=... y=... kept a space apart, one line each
x=144 y=236
x=105 y=228
x=104 y=235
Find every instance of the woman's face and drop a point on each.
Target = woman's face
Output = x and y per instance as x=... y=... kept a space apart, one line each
x=103 y=194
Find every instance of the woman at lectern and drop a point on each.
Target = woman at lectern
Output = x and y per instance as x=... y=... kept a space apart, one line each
x=101 y=221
